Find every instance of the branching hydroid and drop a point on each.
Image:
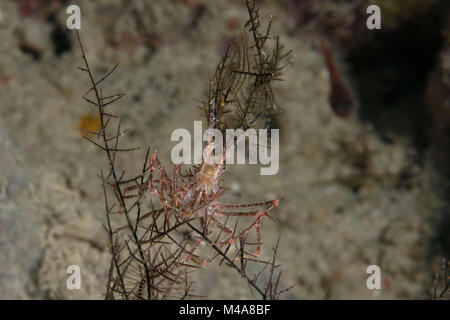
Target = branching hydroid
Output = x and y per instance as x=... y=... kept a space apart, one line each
x=166 y=217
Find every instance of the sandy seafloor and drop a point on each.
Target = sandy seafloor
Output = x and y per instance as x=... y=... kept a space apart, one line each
x=51 y=203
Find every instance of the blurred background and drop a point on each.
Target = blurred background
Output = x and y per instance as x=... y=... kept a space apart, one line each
x=365 y=179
